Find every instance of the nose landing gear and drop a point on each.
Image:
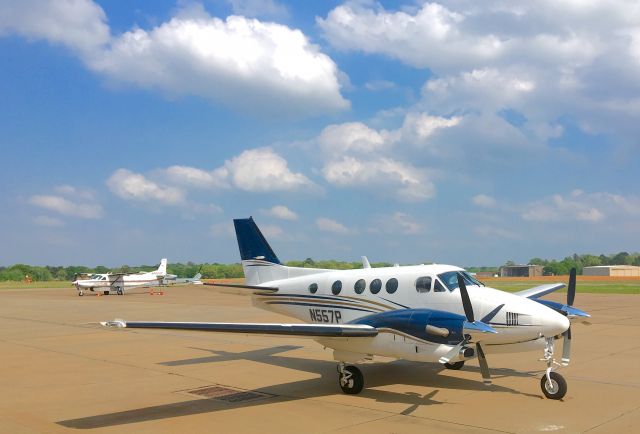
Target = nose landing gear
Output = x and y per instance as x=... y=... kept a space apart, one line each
x=553 y=385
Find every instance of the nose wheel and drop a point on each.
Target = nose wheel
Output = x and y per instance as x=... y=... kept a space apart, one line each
x=455 y=365
x=350 y=379
x=553 y=385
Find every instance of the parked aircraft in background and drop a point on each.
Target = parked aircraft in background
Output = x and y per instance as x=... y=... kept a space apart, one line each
x=172 y=279
x=427 y=313
x=120 y=282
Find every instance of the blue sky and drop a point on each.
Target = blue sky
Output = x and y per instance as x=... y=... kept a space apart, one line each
x=454 y=131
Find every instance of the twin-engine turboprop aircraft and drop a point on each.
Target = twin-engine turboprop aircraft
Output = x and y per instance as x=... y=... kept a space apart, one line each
x=119 y=282
x=426 y=313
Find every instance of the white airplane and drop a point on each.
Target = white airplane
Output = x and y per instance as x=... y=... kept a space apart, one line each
x=425 y=313
x=172 y=279
x=119 y=282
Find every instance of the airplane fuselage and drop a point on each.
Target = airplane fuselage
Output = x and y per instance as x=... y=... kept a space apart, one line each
x=350 y=296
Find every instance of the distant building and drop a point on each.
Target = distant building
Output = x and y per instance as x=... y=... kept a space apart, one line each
x=521 y=270
x=612 y=270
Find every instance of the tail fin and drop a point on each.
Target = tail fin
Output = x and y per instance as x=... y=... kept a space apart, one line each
x=197 y=276
x=259 y=263
x=252 y=243
x=162 y=269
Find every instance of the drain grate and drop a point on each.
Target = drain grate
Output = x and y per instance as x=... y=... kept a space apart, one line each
x=227 y=394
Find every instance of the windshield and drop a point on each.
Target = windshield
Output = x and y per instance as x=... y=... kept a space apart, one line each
x=450 y=279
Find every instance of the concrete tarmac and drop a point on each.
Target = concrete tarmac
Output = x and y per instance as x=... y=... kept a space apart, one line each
x=59 y=373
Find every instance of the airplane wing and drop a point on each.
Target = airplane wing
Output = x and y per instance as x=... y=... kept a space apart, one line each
x=541 y=290
x=299 y=330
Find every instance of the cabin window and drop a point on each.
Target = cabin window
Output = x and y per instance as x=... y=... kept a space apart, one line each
x=437 y=287
x=313 y=288
x=392 y=285
x=336 y=287
x=423 y=284
x=359 y=286
x=375 y=286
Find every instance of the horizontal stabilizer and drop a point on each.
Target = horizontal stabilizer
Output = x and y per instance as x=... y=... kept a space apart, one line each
x=300 y=330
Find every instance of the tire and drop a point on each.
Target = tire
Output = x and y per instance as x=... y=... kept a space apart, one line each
x=105 y=292
x=558 y=387
x=120 y=291
x=455 y=365
x=80 y=293
x=351 y=381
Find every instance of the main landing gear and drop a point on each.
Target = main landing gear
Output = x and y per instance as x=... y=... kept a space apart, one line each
x=350 y=379
x=455 y=365
x=553 y=385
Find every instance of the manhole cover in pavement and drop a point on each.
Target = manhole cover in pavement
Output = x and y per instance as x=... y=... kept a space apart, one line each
x=227 y=394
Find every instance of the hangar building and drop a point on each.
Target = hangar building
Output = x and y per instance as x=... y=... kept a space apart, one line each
x=521 y=270
x=612 y=270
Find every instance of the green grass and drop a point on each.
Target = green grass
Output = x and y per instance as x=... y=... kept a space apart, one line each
x=35 y=285
x=624 y=287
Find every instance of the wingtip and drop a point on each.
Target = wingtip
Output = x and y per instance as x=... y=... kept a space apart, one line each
x=116 y=323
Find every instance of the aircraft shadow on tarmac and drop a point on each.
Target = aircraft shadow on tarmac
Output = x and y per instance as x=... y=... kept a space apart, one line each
x=376 y=375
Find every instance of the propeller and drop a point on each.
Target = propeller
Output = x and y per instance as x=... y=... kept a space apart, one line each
x=470 y=325
x=571 y=295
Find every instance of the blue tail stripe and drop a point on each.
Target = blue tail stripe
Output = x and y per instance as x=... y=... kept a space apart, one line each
x=252 y=243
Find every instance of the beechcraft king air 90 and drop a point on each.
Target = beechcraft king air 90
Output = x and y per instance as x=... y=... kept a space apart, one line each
x=424 y=313
x=119 y=282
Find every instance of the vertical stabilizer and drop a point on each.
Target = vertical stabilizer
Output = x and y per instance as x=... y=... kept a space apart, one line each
x=162 y=269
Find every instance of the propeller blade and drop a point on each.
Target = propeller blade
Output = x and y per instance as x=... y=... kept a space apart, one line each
x=566 y=347
x=571 y=289
x=484 y=367
x=466 y=301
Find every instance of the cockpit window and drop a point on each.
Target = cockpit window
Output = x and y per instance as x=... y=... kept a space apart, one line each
x=450 y=279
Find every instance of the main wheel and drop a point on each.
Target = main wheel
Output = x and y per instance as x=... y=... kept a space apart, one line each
x=80 y=293
x=105 y=292
x=455 y=365
x=351 y=380
x=119 y=291
x=556 y=389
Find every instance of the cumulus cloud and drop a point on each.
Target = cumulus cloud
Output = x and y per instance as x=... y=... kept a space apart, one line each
x=581 y=206
x=263 y=170
x=134 y=186
x=409 y=183
x=544 y=60
x=67 y=207
x=192 y=176
x=259 y=8
x=397 y=223
x=352 y=137
x=332 y=226
x=80 y=25
x=241 y=62
x=280 y=212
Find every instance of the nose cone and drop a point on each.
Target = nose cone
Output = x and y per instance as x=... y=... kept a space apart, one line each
x=554 y=323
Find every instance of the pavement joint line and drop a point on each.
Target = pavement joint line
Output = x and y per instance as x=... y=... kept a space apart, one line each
x=612 y=419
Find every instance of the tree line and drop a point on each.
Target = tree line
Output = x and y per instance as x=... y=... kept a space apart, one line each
x=18 y=272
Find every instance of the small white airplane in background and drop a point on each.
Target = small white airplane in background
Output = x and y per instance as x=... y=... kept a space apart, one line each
x=119 y=282
x=172 y=279
x=425 y=313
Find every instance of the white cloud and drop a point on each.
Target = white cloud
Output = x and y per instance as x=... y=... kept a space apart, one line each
x=397 y=223
x=77 y=24
x=328 y=225
x=484 y=201
x=47 y=221
x=281 y=212
x=262 y=170
x=242 y=62
x=134 y=186
x=192 y=176
x=581 y=206
x=352 y=137
x=407 y=182
x=67 y=207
